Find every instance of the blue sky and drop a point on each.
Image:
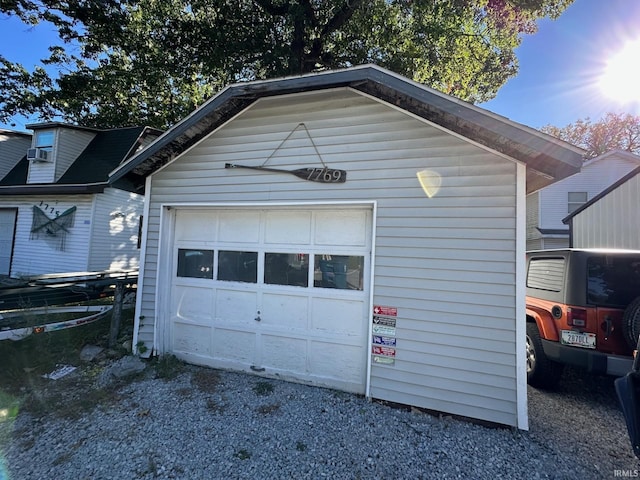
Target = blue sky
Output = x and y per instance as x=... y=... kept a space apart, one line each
x=559 y=65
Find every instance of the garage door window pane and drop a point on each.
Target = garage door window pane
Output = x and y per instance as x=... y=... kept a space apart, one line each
x=238 y=266
x=195 y=263
x=338 y=271
x=286 y=269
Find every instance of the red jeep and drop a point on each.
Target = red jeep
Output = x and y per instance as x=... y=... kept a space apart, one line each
x=583 y=309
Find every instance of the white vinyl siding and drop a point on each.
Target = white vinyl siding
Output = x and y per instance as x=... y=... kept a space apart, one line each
x=39 y=256
x=551 y=243
x=7 y=227
x=114 y=237
x=447 y=263
x=611 y=222
x=67 y=146
x=533 y=220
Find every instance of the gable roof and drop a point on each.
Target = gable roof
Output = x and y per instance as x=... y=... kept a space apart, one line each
x=566 y=220
x=88 y=173
x=547 y=158
x=622 y=154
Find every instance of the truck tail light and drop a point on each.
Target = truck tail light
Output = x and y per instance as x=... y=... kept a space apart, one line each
x=576 y=317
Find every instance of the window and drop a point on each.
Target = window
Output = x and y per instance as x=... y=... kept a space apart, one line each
x=612 y=282
x=546 y=274
x=44 y=141
x=576 y=199
x=238 y=266
x=286 y=269
x=338 y=271
x=195 y=263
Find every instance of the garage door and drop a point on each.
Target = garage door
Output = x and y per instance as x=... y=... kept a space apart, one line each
x=7 y=227
x=280 y=291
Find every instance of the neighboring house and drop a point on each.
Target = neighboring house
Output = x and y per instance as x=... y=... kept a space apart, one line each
x=394 y=268
x=57 y=211
x=547 y=207
x=611 y=219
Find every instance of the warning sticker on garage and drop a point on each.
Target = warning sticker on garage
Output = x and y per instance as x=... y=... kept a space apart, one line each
x=384 y=351
x=384 y=360
x=386 y=341
x=387 y=311
x=384 y=330
x=388 y=321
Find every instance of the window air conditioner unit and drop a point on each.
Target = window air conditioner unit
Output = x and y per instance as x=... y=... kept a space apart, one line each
x=36 y=154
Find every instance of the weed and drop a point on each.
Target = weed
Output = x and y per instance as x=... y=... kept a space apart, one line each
x=168 y=367
x=185 y=392
x=242 y=454
x=64 y=458
x=152 y=466
x=213 y=406
x=206 y=380
x=68 y=403
x=263 y=388
x=301 y=446
x=141 y=348
x=265 y=409
x=9 y=407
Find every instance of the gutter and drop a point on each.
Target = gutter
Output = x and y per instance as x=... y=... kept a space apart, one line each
x=53 y=189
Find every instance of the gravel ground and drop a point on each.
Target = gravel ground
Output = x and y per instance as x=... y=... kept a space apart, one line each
x=209 y=424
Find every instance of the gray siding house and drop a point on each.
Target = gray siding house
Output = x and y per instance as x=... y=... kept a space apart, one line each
x=57 y=211
x=350 y=229
x=610 y=219
x=547 y=207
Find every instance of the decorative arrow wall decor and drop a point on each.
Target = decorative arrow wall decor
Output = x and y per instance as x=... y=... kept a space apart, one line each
x=320 y=175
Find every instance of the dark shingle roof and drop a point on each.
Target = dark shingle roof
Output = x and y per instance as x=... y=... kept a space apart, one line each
x=18 y=174
x=105 y=152
x=89 y=172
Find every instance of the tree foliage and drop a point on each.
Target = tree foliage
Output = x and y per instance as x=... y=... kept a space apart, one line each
x=614 y=131
x=151 y=62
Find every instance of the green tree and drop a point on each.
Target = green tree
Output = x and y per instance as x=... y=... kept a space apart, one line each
x=152 y=62
x=614 y=131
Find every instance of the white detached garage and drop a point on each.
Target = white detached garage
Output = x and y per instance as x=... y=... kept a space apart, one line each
x=350 y=229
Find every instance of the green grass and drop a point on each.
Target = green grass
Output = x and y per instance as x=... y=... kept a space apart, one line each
x=25 y=361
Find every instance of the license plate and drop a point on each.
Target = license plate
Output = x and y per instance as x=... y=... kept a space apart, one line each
x=578 y=339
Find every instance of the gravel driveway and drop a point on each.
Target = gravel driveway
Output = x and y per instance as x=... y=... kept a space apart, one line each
x=209 y=424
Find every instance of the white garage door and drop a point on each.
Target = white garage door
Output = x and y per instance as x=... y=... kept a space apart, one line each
x=7 y=227
x=279 y=291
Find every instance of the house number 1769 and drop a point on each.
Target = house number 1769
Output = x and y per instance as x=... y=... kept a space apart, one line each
x=325 y=175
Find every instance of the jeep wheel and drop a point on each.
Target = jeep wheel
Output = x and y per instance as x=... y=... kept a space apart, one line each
x=631 y=323
x=541 y=371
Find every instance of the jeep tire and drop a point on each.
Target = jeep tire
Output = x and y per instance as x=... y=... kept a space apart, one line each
x=541 y=371
x=631 y=323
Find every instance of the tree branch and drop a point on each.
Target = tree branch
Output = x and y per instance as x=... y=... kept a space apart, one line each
x=271 y=8
x=341 y=17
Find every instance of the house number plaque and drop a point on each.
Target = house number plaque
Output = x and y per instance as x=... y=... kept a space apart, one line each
x=320 y=175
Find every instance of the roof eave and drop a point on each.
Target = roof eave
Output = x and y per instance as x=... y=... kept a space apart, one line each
x=547 y=159
x=53 y=189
